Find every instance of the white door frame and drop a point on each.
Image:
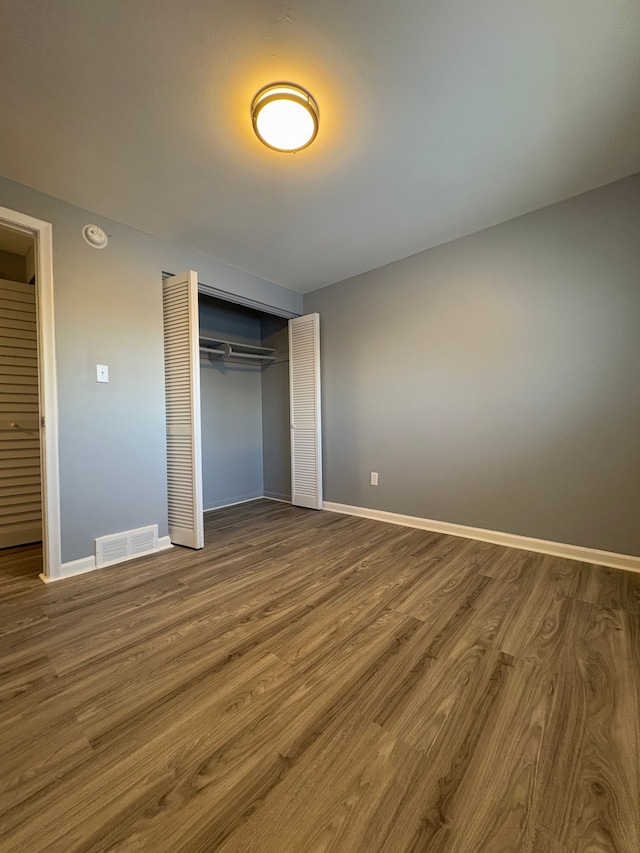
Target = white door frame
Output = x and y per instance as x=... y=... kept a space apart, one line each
x=47 y=386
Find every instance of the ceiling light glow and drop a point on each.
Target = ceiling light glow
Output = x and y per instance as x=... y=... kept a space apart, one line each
x=285 y=117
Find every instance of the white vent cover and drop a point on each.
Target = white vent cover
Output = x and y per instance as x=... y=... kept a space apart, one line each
x=124 y=546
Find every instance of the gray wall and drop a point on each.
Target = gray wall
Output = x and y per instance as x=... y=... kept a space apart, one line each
x=231 y=403
x=276 y=436
x=494 y=381
x=108 y=306
x=245 y=410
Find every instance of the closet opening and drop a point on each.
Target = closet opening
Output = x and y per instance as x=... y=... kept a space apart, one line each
x=245 y=406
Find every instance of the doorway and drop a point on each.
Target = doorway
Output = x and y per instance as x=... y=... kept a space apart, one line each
x=20 y=478
x=29 y=475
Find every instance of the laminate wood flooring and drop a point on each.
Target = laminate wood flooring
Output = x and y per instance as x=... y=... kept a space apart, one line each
x=315 y=682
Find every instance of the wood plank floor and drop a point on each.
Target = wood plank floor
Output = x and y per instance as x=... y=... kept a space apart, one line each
x=315 y=682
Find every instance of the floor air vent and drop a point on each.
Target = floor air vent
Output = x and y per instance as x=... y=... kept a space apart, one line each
x=126 y=545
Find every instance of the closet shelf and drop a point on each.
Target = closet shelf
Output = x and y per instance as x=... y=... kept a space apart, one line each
x=234 y=350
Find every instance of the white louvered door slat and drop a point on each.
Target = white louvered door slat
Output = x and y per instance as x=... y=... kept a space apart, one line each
x=182 y=391
x=20 y=488
x=304 y=386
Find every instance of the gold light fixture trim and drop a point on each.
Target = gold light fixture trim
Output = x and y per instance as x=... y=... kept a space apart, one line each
x=285 y=117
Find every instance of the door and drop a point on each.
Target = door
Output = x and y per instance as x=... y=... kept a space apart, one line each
x=182 y=392
x=304 y=387
x=20 y=487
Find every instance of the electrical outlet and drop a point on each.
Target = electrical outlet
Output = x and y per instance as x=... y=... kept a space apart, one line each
x=102 y=372
x=374 y=478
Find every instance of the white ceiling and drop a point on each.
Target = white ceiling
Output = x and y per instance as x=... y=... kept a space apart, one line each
x=437 y=119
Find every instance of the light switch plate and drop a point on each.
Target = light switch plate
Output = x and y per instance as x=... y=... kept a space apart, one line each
x=102 y=372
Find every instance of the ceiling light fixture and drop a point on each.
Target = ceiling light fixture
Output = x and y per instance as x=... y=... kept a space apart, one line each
x=285 y=117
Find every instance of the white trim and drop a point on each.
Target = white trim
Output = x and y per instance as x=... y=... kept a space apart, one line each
x=262 y=496
x=234 y=503
x=47 y=386
x=75 y=567
x=88 y=564
x=510 y=540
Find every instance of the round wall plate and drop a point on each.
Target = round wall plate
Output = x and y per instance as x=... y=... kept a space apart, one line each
x=95 y=236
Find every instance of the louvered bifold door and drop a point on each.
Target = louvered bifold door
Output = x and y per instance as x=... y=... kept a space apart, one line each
x=304 y=387
x=20 y=492
x=182 y=389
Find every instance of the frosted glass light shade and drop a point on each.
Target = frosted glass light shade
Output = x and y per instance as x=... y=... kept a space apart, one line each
x=285 y=117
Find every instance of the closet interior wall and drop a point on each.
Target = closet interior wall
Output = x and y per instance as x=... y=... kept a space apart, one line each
x=245 y=408
x=276 y=436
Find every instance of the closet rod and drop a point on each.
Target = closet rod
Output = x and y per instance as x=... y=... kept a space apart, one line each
x=220 y=342
x=252 y=356
x=232 y=354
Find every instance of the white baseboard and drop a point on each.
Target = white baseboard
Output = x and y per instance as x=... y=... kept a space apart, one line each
x=270 y=496
x=510 y=540
x=88 y=564
x=234 y=502
x=75 y=567
x=163 y=543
